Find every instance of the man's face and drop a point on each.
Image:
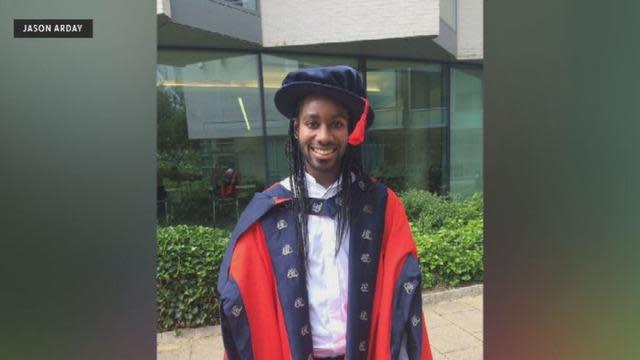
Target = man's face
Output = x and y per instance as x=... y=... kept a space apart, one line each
x=322 y=129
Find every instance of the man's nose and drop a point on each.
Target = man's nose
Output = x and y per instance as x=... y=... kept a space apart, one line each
x=324 y=134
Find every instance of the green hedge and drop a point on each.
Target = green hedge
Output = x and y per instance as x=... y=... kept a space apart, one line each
x=448 y=232
x=429 y=212
x=451 y=256
x=429 y=209
x=189 y=260
x=449 y=235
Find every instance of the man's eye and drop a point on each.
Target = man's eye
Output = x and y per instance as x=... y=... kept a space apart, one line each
x=312 y=124
x=338 y=125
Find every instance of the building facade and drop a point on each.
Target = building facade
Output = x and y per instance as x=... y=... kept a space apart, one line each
x=221 y=61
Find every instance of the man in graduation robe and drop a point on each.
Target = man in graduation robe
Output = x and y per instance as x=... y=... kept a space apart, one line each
x=322 y=265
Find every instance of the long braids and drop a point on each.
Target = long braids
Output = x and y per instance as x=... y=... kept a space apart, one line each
x=298 y=185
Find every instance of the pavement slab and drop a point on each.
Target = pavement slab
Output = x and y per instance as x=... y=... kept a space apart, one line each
x=211 y=348
x=433 y=319
x=450 y=307
x=479 y=335
x=473 y=353
x=437 y=355
x=474 y=301
x=451 y=338
x=469 y=320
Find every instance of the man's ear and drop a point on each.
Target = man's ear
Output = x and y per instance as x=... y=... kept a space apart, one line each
x=296 y=127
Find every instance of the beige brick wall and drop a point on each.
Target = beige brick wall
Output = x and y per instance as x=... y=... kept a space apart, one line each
x=470 y=29
x=304 y=22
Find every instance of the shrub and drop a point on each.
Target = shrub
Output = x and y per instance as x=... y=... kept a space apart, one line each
x=449 y=235
x=451 y=256
x=429 y=212
x=418 y=201
x=189 y=260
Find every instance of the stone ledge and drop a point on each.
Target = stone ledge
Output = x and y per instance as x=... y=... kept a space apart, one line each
x=194 y=333
x=452 y=294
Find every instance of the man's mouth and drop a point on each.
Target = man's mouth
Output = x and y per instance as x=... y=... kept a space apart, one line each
x=323 y=151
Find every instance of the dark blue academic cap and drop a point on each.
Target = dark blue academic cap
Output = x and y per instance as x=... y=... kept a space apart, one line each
x=341 y=83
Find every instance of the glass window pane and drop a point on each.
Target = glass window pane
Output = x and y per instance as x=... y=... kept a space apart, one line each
x=275 y=68
x=209 y=121
x=466 y=131
x=405 y=145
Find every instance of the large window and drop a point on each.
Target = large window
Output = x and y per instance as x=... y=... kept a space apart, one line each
x=209 y=121
x=466 y=131
x=275 y=69
x=427 y=134
x=405 y=147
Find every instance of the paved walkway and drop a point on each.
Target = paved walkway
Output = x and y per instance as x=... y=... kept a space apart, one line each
x=454 y=323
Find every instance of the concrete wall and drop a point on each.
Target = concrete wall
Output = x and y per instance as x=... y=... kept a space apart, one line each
x=305 y=22
x=470 y=30
x=217 y=18
x=448 y=38
x=163 y=7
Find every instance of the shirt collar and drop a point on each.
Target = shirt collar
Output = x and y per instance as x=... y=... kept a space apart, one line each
x=314 y=189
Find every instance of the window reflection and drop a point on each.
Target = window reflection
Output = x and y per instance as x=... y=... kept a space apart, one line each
x=466 y=131
x=405 y=145
x=208 y=122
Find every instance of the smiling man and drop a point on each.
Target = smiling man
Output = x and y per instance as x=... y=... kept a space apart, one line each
x=322 y=265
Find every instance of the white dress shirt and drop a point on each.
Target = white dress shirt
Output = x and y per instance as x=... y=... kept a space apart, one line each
x=327 y=277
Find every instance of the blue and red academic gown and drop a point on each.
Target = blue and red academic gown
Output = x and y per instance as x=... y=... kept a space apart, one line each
x=264 y=306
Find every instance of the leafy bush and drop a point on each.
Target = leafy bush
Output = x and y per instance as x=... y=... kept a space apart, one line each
x=189 y=260
x=430 y=209
x=451 y=256
x=449 y=235
x=430 y=212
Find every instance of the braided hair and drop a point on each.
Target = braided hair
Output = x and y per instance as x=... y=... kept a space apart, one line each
x=351 y=163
